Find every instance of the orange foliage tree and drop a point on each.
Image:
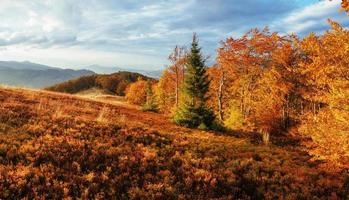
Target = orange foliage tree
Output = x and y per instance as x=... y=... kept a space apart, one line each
x=136 y=93
x=267 y=83
x=168 y=88
x=326 y=86
x=257 y=87
x=270 y=84
x=345 y=5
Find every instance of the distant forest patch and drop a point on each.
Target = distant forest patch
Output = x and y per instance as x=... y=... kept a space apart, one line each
x=114 y=83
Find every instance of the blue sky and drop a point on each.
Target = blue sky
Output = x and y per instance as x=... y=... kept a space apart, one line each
x=141 y=34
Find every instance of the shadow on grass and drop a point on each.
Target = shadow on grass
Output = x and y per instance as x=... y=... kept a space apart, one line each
x=277 y=139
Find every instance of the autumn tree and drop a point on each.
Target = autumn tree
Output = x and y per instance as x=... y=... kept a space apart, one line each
x=326 y=89
x=219 y=95
x=258 y=65
x=136 y=93
x=214 y=95
x=165 y=92
x=193 y=111
x=345 y=5
x=177 y=57
x=150 y=103
x=168 y=88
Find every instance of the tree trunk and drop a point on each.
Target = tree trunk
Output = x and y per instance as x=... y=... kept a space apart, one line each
x=220 y=96
x=242 y=109
x=177 y=86
x=284 y=116
x=266 y=137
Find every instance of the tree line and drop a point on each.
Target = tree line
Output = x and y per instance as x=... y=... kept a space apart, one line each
x=115 y=83
x=267 y=83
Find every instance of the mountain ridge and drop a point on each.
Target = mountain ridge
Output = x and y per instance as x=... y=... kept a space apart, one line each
x=99 y=69
x=33 y=75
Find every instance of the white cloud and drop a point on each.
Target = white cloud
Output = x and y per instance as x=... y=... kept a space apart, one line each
x=125 y=33
x=75 y=57
x=312 y=18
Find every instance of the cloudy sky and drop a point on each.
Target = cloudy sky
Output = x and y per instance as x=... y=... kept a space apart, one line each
x=140 y=34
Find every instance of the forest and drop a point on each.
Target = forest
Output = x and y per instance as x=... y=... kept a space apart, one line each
x=263 y=82
x=115 y=83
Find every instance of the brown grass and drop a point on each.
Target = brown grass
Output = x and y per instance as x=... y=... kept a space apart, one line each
x=62 y=146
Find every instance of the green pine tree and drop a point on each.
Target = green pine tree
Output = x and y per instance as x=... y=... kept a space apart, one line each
x=150 y=104
x=192 y=111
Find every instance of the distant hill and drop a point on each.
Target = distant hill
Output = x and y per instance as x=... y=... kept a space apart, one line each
x=24 y=65
x=32 y=75
x=113 y=83
x=154 y=74
x=104 y=70
x=109 y=70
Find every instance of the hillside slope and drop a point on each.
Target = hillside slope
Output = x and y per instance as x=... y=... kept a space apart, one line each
x=58 y=146
x=27 y=74
x=113 y=83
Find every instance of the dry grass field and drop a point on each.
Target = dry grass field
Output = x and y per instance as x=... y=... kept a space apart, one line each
x=100 y=95
x=59 y=146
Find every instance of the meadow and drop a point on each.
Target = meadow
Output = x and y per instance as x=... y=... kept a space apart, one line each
x=60 y=146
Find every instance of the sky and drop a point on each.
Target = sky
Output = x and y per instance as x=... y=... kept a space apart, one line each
x=141 y=34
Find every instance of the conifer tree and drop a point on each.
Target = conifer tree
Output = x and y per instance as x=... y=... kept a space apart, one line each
x=192 y=111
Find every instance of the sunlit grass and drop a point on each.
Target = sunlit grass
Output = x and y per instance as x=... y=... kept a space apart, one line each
x=65 y=146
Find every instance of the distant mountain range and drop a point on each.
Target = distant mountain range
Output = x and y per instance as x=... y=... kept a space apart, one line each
x=33 y=75
x=110 y=70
